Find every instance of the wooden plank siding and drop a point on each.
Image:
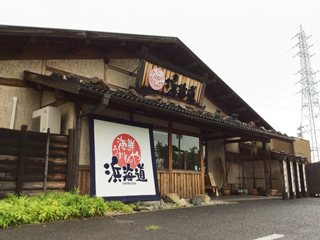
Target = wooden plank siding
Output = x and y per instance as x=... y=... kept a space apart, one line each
x=22 y=161
x=84 y=179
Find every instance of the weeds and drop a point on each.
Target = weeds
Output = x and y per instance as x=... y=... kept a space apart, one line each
x=16 y=210
x=152 y=227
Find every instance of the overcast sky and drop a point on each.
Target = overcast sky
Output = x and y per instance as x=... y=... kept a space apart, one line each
x=247 y=43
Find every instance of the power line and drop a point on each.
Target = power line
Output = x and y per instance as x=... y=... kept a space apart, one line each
x=272 y=70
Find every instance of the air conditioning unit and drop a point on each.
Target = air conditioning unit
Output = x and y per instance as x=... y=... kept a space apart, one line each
x=47 y=117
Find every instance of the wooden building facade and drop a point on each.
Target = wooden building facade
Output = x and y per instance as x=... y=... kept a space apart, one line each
x=198 y=121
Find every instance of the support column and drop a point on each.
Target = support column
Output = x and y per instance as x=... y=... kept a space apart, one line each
x=170 y=157
x=76 y=148
x=298 y=177
x=285 y=178
x=266 y=168
x=304 y=177
x=293 y=193
x=201 y=164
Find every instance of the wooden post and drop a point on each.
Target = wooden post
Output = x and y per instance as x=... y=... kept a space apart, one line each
x=170 y=157
x=270 y=169
x=45 y=179
x=70 y=160
x=22 y=159
x=266 y=168
x=201 y=164
x=76 y=147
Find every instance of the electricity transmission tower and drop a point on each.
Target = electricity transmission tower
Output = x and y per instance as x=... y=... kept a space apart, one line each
x=308 y=128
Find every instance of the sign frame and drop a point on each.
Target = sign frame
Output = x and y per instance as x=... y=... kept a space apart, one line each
x=130 y=198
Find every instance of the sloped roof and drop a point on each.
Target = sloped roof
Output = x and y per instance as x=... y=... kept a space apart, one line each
x=45 y=43
x=130 y=97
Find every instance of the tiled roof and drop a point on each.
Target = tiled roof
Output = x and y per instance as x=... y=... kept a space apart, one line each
x=176 y=108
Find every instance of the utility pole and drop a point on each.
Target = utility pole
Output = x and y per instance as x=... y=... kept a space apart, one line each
x=310 y=108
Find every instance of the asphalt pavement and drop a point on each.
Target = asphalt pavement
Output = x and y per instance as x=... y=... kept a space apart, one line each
x=290 y=219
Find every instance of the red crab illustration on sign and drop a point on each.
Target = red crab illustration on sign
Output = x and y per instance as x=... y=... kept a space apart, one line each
x=127 y=150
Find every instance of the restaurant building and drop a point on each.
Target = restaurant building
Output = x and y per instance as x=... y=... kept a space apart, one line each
x=148 y=117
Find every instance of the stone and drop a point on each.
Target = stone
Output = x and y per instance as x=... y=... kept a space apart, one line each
x=182 y=203
x=172 y=198
x=204 y=198
x=152 y=203
x=196 y=201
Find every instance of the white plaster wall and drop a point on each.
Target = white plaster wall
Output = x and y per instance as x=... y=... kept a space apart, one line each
x=233 y=147
x=85 y=67
x=47 y=98
x=210 y=106
x=235 y=174
x=215 y=150
x=15 y=68
x=121 y=79
x=28 y=101
x=67 y=117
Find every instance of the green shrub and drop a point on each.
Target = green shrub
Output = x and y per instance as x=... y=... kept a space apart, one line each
x=15 y=210
x=117 y=206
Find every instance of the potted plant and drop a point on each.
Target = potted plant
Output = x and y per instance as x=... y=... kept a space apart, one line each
x=273 y=192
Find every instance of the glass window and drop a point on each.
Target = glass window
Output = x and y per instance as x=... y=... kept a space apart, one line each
x=185 y=152
x=161 y=149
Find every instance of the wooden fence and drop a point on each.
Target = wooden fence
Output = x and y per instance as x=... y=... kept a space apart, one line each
x=186 y=184
x=33 y=162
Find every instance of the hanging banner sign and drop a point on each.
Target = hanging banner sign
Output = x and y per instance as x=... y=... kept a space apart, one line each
x=122 y=165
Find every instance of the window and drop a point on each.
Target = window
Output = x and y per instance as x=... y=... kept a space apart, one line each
x=161 y=149
x=185 y=152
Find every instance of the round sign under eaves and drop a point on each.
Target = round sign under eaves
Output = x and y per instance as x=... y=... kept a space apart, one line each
x=156 y=79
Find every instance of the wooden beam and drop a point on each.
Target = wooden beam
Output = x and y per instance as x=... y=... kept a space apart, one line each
x=236 y=140
x=191 y=65
x=63 y=72
x=121 y=70
x=226 y=96
x=240 y=109
x=13 y=82
x=68 y=86
x=140 y=72
x=172 y=67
